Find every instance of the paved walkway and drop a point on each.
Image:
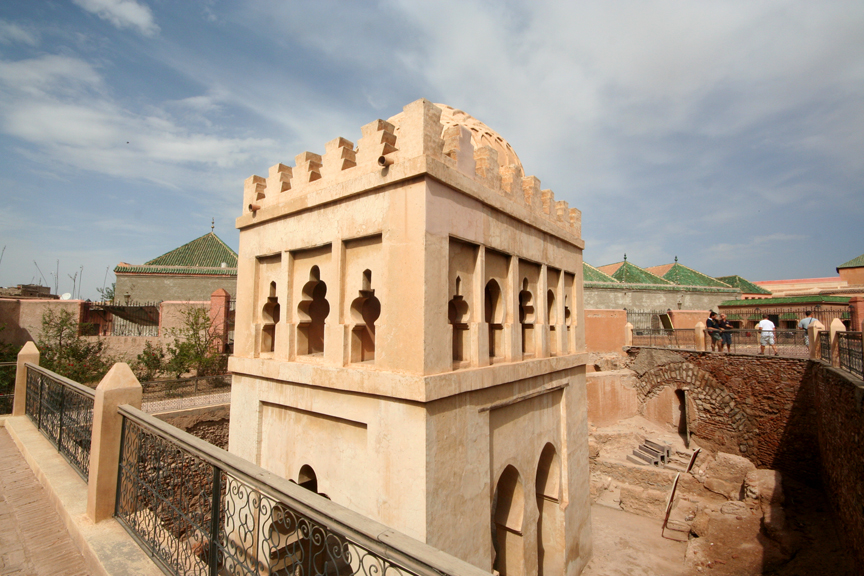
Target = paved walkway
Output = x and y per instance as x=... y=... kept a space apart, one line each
x=33 y=539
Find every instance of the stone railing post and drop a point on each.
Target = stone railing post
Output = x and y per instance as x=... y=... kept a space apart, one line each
x=29 y=353
x=118 y=387
x=220 y=301
x=628 y=334
x=813 y=335
x=699 y=335
x=836 y=326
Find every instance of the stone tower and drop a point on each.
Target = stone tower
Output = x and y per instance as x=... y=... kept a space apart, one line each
x=410 y=340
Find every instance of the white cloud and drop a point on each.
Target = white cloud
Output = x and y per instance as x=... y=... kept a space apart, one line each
x=123 y=14
x=57 y=104
x=12 y=33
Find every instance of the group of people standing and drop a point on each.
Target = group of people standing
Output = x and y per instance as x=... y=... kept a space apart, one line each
x=719 y=330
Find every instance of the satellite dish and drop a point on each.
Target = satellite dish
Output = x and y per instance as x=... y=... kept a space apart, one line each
x=66 y=296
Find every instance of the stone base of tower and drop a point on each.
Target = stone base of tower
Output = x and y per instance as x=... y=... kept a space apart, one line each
x=496 y=476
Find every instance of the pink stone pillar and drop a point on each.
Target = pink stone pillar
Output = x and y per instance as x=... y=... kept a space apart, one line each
x=836 y=326
x=699 y=335
x=628 y=334
x=118 y=387
x=220 y=301
x=29 y=353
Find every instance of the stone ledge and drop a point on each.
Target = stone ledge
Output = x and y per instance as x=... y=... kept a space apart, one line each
x=107 y=548
x=400 y=385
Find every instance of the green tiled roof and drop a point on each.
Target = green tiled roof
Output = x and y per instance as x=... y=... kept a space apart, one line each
x=203 y=255
x=632 y=274
x=854 y=263
x=813 y=299
x=198 y=270
x=743 y=284
x=684 y=276
x=592 y=274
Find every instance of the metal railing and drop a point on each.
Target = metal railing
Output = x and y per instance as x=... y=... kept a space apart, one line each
x=63 y=411
x=825 y=345
x=789 y=343
x=680 y=338
x=199 y=510
x=849 y=345
x=7 y=386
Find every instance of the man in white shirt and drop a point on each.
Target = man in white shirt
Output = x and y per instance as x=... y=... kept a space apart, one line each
x=766 y=331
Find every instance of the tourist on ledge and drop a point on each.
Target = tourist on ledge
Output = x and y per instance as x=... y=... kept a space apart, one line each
x=713 y=330
x=725 y=334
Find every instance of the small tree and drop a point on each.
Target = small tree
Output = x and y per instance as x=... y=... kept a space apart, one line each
x=107 y=294
x=150 y=362
x=195 y=345
x=64 y=351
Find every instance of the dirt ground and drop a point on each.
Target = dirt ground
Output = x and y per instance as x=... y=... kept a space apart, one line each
x=630 y=545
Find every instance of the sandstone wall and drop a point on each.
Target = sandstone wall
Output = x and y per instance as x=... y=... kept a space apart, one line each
x=156 y=288
x=622 y=297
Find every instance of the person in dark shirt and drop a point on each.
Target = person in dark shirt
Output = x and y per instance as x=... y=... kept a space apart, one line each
x=714 y=331
x=725 y=334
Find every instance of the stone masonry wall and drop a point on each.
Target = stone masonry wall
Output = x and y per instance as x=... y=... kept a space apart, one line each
x=745 y=405
x=801 y=417
x=839 y=415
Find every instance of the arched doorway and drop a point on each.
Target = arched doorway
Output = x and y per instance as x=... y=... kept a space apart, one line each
x=550 y=522
x=508 y=507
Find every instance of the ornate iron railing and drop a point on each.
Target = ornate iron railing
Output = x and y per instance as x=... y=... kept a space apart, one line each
x=7 y=386
x=199 y=510
x=63 y=411
x=825 y=345
x=851 y=351
x=680 y=338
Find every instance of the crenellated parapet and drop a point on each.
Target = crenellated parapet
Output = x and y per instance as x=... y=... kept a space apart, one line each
x=422 y=129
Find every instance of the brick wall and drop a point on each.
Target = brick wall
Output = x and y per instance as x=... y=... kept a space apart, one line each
x=801 y=417
x=839 y=421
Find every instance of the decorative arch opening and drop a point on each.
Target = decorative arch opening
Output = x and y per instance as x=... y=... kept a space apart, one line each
x=550 y=521
x=494 y=318
x=552 y=319
x=526 y=318
x=457 y=316
x=269 y=319
x=365 y=310
x=312 y=312
x=308 y=479
x=508 y=507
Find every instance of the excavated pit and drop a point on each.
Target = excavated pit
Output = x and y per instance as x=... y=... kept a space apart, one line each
x=727 y=517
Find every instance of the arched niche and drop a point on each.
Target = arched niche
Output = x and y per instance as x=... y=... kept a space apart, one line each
x=308 y=479
x=457 y=316
x=312 y=311
x=269 y=319
x=550 y=520
x=527 y=318
x=552 y=319
x=364 y=311
x=494 y=317
x=508 y=508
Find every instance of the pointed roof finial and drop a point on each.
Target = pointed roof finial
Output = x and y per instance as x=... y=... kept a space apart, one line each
x=676 y=259
x=212 y=224
x=625 y=257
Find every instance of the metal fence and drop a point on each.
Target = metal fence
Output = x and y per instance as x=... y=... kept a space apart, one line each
x=850 y=348
x=648 y=319
x=825 y=345
x=681 y=338
x=63 y=411
x=199 y=510
x=7 y=386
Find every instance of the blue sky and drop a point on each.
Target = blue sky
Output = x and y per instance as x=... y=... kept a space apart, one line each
x=729 y=134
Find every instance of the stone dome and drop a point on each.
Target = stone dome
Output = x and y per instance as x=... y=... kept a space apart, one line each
x=481 y=135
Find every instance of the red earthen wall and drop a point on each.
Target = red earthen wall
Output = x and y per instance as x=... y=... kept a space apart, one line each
x=604 y=330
